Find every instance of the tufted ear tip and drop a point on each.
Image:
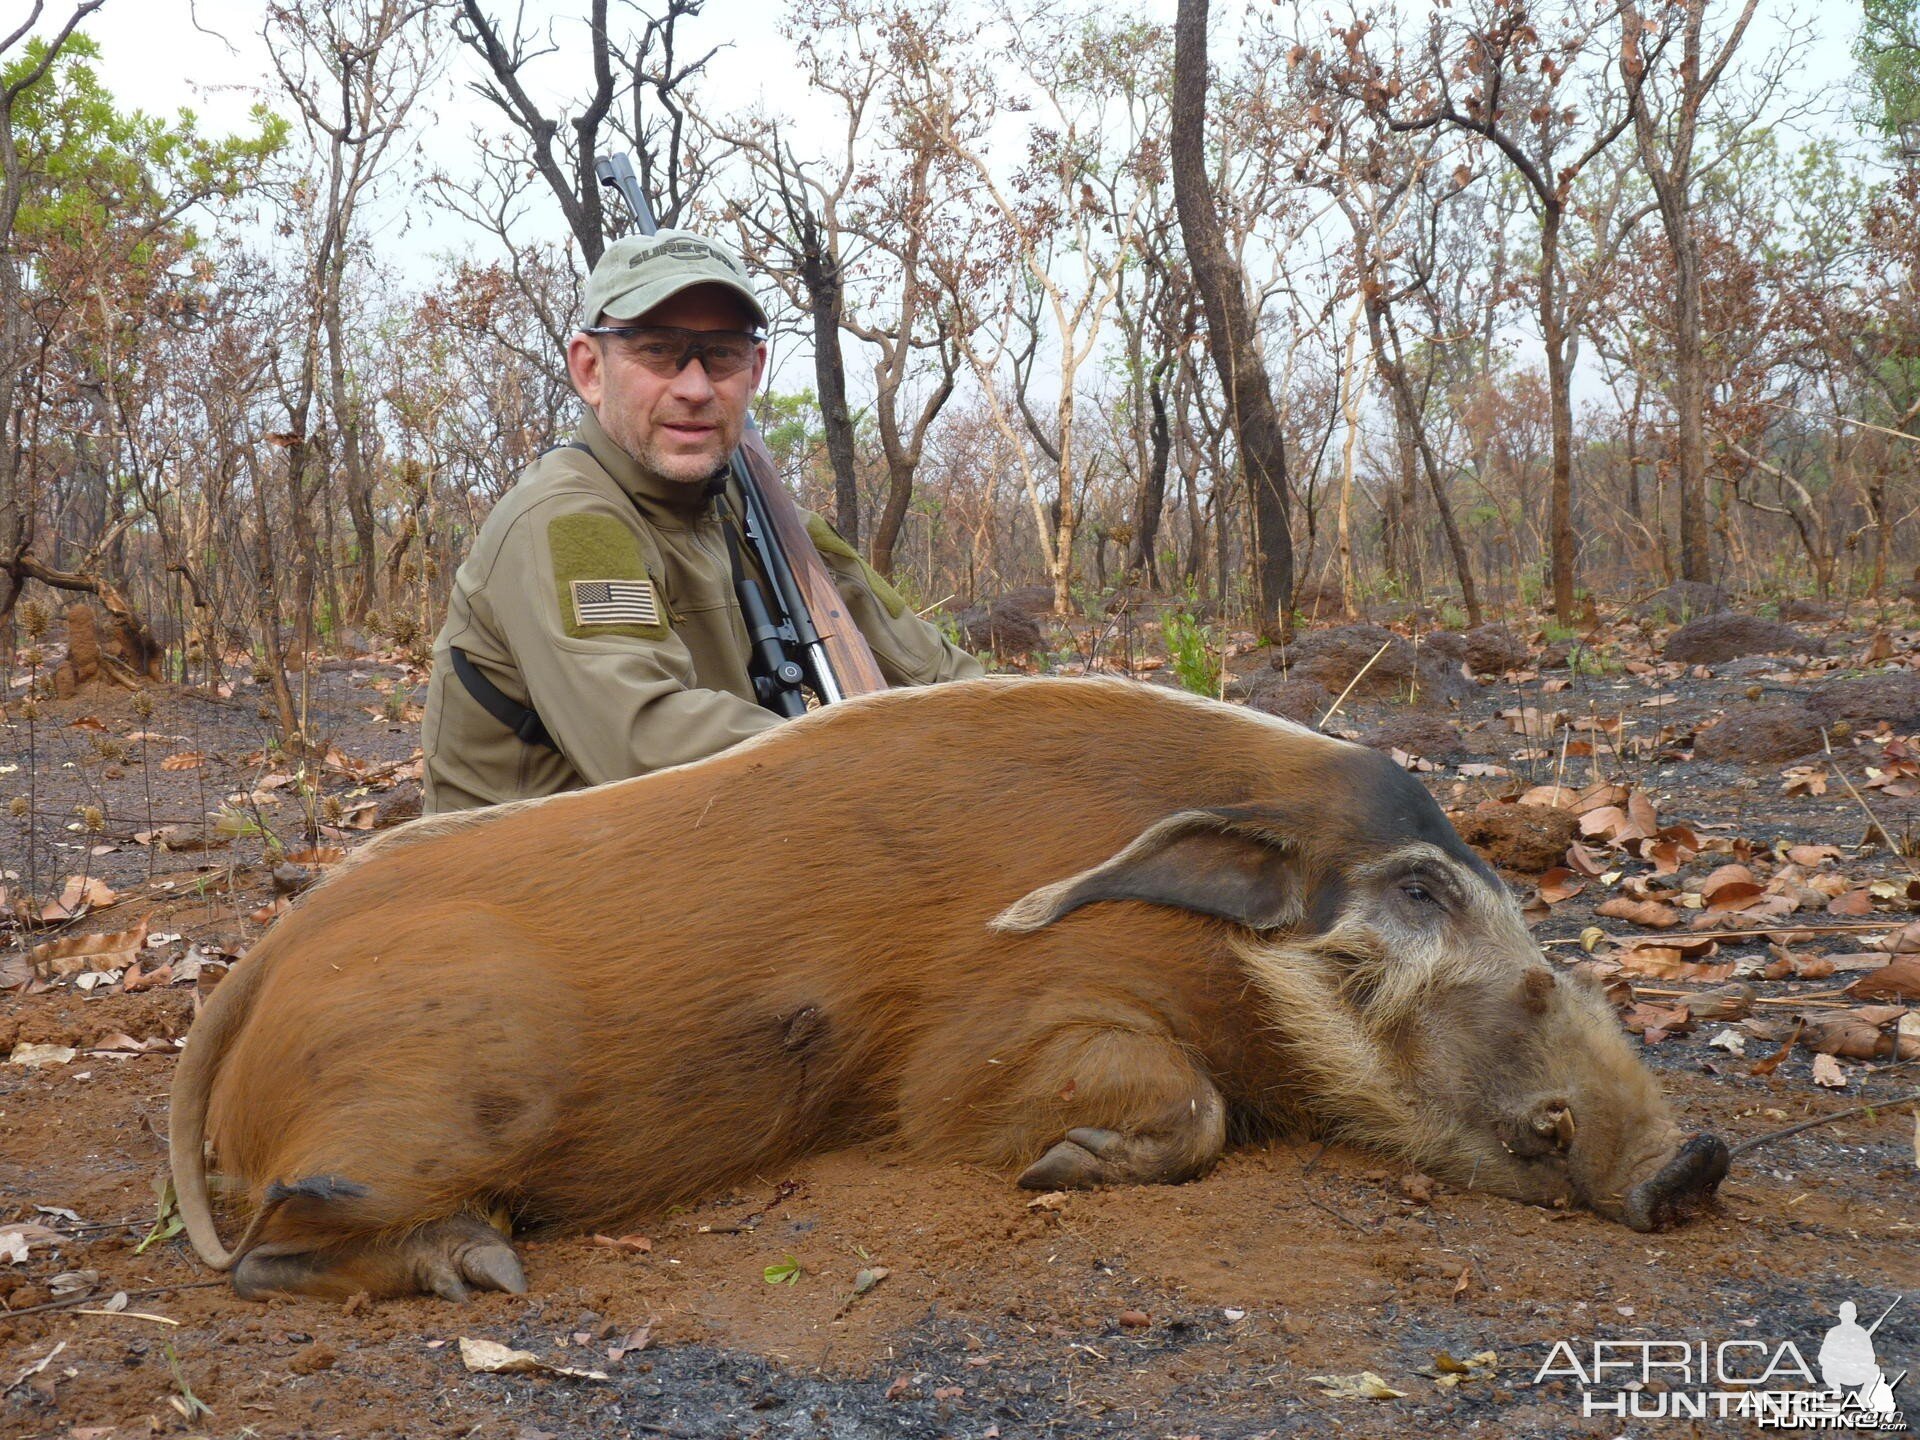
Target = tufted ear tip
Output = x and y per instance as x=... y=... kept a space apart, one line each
x=1033 y=912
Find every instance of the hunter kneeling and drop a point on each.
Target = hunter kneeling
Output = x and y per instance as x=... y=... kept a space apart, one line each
x=595 y=632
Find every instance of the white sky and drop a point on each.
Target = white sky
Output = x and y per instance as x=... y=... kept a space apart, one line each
x=158 y=55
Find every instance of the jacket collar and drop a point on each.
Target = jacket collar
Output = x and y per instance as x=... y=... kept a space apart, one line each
x=670 y=500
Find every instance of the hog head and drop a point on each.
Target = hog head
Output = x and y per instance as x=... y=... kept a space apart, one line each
x=1526 y=1084
x=1406 y=1008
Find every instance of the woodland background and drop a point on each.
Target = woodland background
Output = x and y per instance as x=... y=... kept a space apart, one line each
x=1516 y=305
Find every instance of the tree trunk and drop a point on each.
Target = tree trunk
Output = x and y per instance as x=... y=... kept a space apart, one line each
x=1690 y=385
x=1153 y=487
x=1560 y=546
x=893 y=515
x=820 y=273
x=1231 y=339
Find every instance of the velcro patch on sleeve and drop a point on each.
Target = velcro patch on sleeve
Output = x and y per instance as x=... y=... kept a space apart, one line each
x=602 y=579
x=829 y=541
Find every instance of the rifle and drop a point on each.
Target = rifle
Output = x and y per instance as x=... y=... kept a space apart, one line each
x=802 y=635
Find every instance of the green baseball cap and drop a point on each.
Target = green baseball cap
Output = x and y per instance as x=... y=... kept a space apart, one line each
x=641 y=271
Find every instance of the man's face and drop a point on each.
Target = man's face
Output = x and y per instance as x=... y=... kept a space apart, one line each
x=680 y=427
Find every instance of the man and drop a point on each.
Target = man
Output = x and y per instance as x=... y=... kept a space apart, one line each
x=594 y=632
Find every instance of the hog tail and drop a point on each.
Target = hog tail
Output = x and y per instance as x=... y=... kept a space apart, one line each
x=193 y=1078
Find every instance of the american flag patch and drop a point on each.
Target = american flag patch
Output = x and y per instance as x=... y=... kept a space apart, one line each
x=615 y=602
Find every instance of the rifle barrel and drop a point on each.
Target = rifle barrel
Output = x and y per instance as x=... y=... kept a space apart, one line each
x=616 y=173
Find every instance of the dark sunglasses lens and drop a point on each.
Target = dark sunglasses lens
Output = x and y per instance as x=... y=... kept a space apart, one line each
x=667 y=351
x=724 y=355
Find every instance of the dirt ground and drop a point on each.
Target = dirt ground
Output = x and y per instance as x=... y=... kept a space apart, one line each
x=1207 y=1309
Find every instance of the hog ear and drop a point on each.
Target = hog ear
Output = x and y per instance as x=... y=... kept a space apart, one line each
x=1233 y=864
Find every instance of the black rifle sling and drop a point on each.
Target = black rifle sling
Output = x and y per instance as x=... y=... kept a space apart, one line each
x=523 y=720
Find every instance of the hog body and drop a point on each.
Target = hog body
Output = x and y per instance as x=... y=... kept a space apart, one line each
x=1080 y=930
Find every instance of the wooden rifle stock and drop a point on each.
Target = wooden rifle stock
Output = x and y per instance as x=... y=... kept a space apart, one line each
x=847 y=652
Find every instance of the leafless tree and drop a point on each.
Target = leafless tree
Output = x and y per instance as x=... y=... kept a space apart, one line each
x=1231 y=336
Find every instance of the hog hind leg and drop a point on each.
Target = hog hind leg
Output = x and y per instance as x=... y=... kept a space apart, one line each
x=415 y=1214
x=449 y=1258
x=1100 y=1100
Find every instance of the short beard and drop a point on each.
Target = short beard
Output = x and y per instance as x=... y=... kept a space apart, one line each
x=680 y=469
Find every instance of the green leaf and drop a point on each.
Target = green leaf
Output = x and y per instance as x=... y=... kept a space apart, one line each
x=787 y=1272
x=167 y=1222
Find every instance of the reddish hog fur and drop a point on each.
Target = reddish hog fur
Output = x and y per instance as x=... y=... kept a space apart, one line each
x=1080 y=930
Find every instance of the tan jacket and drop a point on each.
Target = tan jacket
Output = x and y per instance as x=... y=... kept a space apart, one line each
x=655 y=677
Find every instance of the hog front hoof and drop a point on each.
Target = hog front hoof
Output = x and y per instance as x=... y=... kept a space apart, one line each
x=1684 y=1184
x=1090 y=1156
x=1075 y=1163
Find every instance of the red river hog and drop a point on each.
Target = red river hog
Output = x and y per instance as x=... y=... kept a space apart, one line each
x=1086 y=931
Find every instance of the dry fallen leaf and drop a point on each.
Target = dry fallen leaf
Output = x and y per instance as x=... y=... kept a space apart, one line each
x=1447 y=1372
x=1362 y=1385
x=488 y=1358
x=639 y=1244
x=1654 y=1023
x=1767 y=1064
x=1898 y=979
x=1553 y=797
x=184 y=760
x=1904 y=941
x=34 y=1056
x=125 y=1044
x=1723 y=1002
x=1804 y=780
x=1663 y=962
x=1855 y=1034
x=1605 y=824
x=19 y=1238
x=78 y=895
x=1812 y=854
x=1730 y=888
x=16 y=972
x=1582 y=861
x=636 y=1340
x=1827 y=1073
x=1595 y=797
x=1559 y=884
x=1854 y=902
x=1652 y=914
x=71 y=954
x=319 y=855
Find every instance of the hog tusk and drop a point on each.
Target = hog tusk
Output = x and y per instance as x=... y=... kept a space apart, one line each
x=1692 y=1174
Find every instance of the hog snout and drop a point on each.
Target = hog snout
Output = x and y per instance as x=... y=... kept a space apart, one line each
x=1680 y=1187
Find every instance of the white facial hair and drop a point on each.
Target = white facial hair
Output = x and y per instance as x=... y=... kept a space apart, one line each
x=682 y=467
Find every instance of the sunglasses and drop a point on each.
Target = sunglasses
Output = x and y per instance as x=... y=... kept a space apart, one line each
x=666 y=349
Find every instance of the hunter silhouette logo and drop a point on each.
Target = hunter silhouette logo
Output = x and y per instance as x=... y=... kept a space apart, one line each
x=1848 y=1366
x=1767 y=1382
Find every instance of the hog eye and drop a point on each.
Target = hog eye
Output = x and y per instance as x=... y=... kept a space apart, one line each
x=1416 y=891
